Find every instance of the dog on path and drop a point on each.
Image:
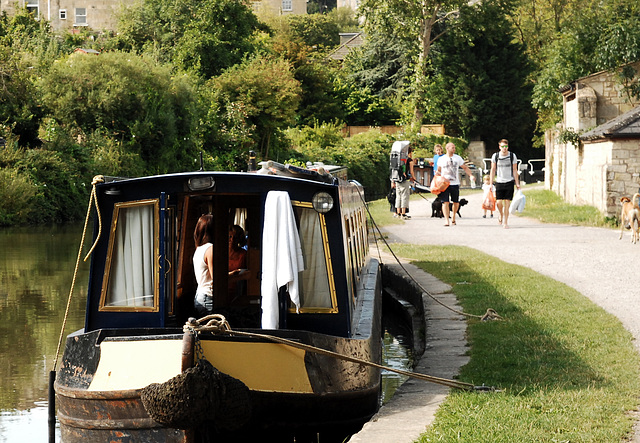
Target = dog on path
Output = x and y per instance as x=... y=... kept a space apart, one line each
x=630 y=216
x=436 y=207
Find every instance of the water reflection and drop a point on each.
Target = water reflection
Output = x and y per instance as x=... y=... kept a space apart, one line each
x=36 y=270
x=396 y=351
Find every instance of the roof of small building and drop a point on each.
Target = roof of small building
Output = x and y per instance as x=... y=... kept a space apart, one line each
x=626 y=125
x=353 y=42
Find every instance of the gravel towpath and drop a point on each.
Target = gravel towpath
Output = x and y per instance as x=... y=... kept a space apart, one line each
x=591 y=260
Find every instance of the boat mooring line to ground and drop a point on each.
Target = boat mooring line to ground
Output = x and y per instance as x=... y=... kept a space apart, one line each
x=490 y=314
x=92 y=198
x=217 y=324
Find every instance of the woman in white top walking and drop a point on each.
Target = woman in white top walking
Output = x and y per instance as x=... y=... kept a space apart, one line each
x=203 y=265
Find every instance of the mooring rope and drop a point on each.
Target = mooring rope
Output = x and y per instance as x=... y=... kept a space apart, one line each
x=490 y=314
x=97 y=179
x=217 y=324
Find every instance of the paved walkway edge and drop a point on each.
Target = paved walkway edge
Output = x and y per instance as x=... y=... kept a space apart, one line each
x=412 y=409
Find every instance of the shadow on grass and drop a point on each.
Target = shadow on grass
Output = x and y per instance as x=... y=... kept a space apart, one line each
x=537 y=344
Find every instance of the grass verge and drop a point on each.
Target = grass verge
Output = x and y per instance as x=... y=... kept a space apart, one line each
x=568 y=369
x=548 y=207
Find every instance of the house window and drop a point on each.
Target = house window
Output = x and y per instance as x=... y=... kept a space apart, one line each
x=33 y=7
x=63 y=14
x=81 y=17
x=287 y=5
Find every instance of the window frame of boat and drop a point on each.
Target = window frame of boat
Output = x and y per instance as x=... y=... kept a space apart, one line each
x=155 y=307
x=329 y=267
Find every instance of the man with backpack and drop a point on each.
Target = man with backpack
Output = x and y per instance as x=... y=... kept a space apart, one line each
x=401 y=176
x=504 y=171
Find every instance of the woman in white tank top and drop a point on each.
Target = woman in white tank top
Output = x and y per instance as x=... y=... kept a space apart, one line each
x=203 y=265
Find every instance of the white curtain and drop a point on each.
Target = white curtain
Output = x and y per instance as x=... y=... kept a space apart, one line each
x=132 y=273
x=314 y=281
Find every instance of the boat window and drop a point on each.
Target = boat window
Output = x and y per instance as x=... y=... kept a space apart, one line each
x=316 y=292
x=130 y=281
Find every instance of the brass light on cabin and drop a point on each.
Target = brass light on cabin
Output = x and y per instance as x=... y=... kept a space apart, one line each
x=322 y=202
x=201 y=183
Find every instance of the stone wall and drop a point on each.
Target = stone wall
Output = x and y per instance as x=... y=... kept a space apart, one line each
x=593 y=173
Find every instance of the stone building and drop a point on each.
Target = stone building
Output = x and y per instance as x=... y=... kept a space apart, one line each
x=100 y=15
x=593 y=157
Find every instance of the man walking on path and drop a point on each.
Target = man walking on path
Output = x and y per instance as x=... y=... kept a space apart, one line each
x=448 y=165
x=504 y=171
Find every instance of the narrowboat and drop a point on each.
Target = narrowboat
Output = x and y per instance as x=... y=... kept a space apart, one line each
x=308 y=286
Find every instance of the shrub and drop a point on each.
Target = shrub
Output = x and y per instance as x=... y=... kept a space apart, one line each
x=16 y=193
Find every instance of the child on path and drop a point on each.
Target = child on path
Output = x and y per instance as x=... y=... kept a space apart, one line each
x=486 y=189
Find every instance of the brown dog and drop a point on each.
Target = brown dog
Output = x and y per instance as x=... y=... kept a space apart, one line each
x=630 y=215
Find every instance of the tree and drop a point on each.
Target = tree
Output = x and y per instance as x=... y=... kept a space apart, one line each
x=480 y=80
x=380 y=65
x=203 y=37
x=317 y=31
x=570 y=39
x=416 y=22
x=128 y=98
x=266 y=95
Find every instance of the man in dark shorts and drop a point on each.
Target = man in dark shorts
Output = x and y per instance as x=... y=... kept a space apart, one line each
x=448 y=165
x=504 y=172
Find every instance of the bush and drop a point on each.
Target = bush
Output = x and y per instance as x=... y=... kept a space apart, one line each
x=365 y=155
x=16 y=193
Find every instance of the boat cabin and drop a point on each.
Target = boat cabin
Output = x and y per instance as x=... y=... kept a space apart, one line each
x=142 y=272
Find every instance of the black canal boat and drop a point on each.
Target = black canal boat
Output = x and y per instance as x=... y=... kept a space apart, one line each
x=140 y=297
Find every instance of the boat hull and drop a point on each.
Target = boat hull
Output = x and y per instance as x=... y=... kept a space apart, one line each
x=342 y=394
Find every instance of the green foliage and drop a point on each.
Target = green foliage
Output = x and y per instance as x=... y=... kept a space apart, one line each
x=320 y=101
x=419 y=24
x=479 y=86
x=265 y=91
x=18 y=97
x=16 y=193
x=423 y=144
x=315 y=30
x=344 y=18
x=318 y=142
x=55 y=189
x=381 y=65
x=363 y=107
x=203 y=37
x=581 y=38
x=365 y=155
x=127 y=97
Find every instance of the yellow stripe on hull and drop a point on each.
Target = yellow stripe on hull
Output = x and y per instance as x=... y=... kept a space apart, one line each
x=269 y=367
x=135 y=364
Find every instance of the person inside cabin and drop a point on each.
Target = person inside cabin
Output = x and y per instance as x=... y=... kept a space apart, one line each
x=203 y=265
x=237 y=251
x=237 y=258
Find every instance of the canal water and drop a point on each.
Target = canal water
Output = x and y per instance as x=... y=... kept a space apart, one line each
x=36 y=272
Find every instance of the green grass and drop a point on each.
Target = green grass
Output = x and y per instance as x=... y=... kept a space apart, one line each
x=549 y=207
x=567 y=370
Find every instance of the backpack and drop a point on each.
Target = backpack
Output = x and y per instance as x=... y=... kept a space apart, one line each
x=398 y=161
x=496 y=156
